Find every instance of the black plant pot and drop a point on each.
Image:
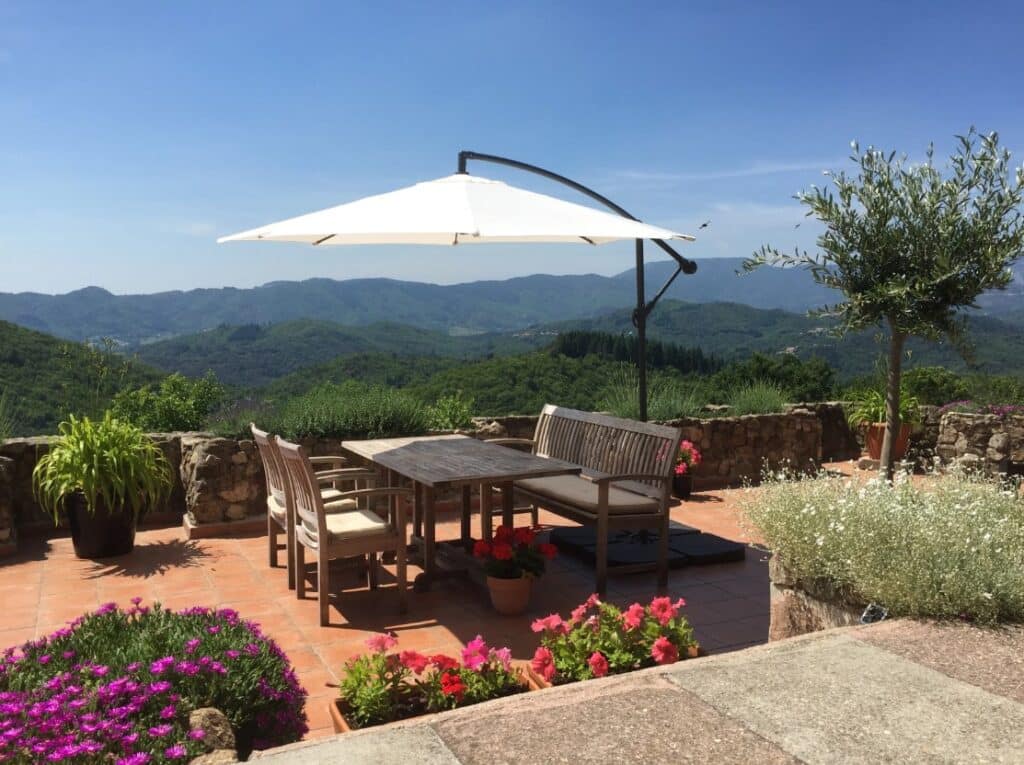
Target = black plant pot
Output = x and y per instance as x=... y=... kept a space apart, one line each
x=682 y=486
x=99 y=534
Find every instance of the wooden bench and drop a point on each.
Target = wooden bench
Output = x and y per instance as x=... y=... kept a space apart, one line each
x=626 y=480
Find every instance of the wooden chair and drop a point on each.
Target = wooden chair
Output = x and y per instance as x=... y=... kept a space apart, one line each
x=340 y=535
x=279 y=518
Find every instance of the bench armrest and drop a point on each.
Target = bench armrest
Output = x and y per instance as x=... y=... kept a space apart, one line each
x=512 y=441
x=599 y=479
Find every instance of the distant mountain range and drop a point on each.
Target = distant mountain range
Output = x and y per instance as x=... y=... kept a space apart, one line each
x=473 y=307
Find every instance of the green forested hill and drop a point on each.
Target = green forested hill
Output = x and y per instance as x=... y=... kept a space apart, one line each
x=254 y=355
x=45 y=377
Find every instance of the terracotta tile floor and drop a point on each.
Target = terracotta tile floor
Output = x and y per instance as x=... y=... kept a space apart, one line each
x=44 y=585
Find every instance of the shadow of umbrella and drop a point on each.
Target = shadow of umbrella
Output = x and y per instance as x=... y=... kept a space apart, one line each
x=152 y=559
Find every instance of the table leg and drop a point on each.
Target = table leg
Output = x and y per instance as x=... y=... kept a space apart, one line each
x=466 y=534
x=507 y=504
x=486 y=508
x=417 y=511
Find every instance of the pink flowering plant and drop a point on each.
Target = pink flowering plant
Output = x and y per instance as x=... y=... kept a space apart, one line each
x=386 y=685
x=117 y=686
x=599 y=639
x=687 y=458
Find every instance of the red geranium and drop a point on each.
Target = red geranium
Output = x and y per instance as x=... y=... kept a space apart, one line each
x=442 y=662
x=514 y=553
x=452 y=685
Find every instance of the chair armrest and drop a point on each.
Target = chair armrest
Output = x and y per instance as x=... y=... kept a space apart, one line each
x=384 y=491
x=336 y=461
x=511 y=441
x=344 y=474
x=599 y=479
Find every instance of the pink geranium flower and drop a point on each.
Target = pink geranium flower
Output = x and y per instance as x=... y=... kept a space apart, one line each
x=543 y=663
x=502 y=656
x=664 y=610
x=382 y=643
x=598 y=664
x=414 y=660
x=474 y=655
x=553 y=623
x=663 y=652
x=633 y=616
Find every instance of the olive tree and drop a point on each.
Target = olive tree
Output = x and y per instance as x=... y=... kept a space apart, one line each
x=910 y=246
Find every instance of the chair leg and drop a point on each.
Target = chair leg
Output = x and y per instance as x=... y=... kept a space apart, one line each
x=601 y=554
x=322 y=584
x=289 y=554
x=300 y=571
x=534 y=515
x=372 y=571
x=271 y=540
x=663 y=552
x=400 y=577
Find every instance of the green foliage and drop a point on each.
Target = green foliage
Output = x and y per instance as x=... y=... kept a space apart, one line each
x=935 y=385
x=804 y=380
x=668 y=397
x=949 y=547
x=178 y=403
x=621 y=347
x=9 y=426
x=353 y=410
x=112 y=463
x=758 y=397
x=451 y=412
x=912 y=247
x=598 y=639
x=868 y=407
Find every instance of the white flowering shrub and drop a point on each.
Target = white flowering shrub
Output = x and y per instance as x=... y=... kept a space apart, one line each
x=949 y=546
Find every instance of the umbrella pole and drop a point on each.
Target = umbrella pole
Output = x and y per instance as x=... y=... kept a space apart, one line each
x=640 y=320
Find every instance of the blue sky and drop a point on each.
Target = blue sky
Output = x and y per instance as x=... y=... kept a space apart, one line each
x=133 y=134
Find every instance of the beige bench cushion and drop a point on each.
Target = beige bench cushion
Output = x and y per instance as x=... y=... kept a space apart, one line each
x=581 y=493
x=357 y=523
x=331 y=504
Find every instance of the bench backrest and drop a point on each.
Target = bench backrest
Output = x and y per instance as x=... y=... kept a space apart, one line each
x=603 y=444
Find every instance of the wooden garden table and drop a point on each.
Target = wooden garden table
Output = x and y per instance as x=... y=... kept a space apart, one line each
x=434 y=463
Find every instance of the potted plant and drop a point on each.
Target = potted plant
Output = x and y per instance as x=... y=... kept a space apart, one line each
x=598 y=639
x=512 y=561
x=868 y=412
x=104 y=476
x=687 y=459
x=384 y=686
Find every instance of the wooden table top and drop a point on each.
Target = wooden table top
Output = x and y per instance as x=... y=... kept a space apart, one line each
x=437 y=461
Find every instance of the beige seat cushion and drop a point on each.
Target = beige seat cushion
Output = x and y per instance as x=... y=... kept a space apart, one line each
x=581 y=493
x=331 y=504
x=357 y=523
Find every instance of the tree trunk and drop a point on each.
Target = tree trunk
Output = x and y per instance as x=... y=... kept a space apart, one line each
x=892 y=401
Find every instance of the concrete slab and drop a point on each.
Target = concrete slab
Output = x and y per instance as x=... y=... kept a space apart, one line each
x=392 y=746
x=833 y=699
x=641 y=719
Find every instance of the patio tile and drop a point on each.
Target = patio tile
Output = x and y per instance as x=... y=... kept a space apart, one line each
x=17 y=635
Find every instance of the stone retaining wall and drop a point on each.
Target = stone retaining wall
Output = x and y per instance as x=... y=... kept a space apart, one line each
x=219 y=484
x=984 y=442
x=799 y=606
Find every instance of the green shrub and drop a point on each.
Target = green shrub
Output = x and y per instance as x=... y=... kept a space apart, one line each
x=177 y=404
x=112 y=463
x=451 y=412
x=668 y=398
x=351 y=410
x=934 y=385
x=810 y=380
x=9 y=423
x=949 y=547
x=116 y=682
x=759 y=397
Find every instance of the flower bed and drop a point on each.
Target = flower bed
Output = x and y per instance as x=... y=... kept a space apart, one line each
x=598 y=639
x=948 y=546
x=117 y=686
x=381 y=687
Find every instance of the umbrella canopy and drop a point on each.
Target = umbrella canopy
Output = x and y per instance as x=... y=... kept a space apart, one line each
x=459 y=209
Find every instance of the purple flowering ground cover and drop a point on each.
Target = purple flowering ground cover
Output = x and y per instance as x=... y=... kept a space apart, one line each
x=117 y=686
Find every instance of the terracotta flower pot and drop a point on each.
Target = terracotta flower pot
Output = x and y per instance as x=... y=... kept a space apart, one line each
x=510 y=597
x=682 y=486
x=876 y=433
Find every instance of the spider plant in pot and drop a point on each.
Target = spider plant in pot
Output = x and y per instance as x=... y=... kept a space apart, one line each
x=868 y=411
x=104 y=476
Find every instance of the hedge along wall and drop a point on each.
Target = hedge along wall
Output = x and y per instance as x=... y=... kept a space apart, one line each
x=219 y=485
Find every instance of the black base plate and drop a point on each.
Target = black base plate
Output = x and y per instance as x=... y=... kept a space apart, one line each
x=687 y=546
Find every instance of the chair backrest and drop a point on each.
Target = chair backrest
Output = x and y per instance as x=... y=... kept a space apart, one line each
x=605 y=444
x=310 y=526
x=276 y=482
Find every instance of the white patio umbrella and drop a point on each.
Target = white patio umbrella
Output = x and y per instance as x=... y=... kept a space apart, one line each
x=469 y=209
x=458 y=209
